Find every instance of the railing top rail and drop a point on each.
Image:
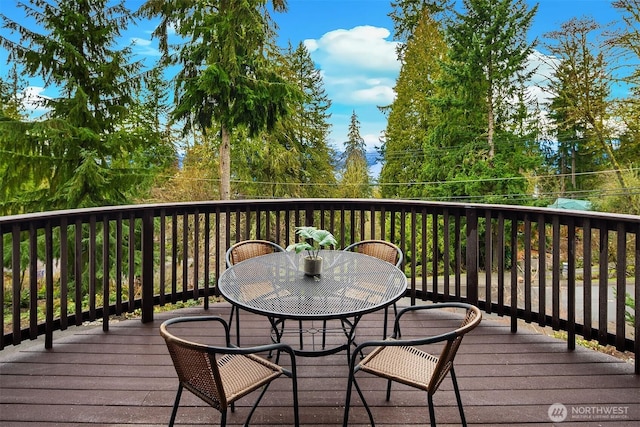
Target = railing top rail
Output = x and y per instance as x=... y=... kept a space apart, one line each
x=257 y=204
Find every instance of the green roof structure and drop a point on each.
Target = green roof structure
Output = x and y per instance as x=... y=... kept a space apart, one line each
x=572 y=204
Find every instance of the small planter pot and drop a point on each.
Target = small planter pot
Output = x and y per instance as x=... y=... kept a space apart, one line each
x=312 y=266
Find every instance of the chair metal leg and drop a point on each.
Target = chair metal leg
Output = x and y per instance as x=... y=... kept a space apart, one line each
x=255 y=405
x=223 y=418
x=388 y=390
x=432 y=413
x=347 y=402
x=175 y=406
x=458 y=398
x=296 y=412
x=364 y=402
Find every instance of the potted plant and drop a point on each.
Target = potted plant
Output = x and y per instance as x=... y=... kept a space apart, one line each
x=315 y=239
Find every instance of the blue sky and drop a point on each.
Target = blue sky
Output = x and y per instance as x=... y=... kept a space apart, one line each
x=351 y=43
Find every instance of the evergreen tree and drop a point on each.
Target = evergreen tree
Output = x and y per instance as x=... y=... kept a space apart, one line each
x=476 y=151
x=407 y=15
x=412 y=114
x=229 y=75
x=355 y=181
x=294 y=158
x=70 y=153
x=310 y=127
x=488 y=49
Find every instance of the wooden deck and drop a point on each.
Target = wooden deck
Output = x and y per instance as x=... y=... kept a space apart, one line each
x=125 y=378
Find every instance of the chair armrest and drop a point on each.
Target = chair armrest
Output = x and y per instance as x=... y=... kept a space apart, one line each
x=435 y=306
x=163 y=327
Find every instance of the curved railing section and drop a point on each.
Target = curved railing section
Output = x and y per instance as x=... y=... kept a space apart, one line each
x=574 y=271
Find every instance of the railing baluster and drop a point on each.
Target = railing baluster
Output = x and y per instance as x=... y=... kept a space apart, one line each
x=185 y=256
x=636 y=312
x=555 y=280
x=48 y=256
x=131 y=263
x=603 y=284
x=457 y=244
x=571 y=284
x=207 y=258
x=471 y=262
x=424 y=270
x=488 y=261
x=147 y=252
x=621 y=286
x=435 y=256
x=16 y=282
x=118 y=264
x=527 y=268
x=586 y=279
x=162 y=264
x=174 y=257
x=542 y=270
x=106 y=268
x=77 y=271
x=500 y=258
x=33 y=282
x=446 y=259
x=513 y=301
x=196 y=254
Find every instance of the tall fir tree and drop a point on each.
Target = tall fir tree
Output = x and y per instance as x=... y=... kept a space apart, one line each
x=294 y=159
x=311 y=131
x=68 y=154
x=412 y=113
x=355 y=182
x=407 y=15
x=228 y=75
x=475 y=151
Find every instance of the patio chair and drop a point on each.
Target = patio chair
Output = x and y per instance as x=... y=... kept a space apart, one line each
x=385 y=251
x=221 y=375
x=404 y=362
x=242 y=251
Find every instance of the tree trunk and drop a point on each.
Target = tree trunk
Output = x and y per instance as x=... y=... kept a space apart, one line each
x=490 y=132
x=225 y=165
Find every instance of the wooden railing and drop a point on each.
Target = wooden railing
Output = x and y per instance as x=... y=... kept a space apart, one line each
x=573 y=271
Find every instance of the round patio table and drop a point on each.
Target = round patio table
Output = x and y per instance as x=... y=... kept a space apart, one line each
x=350 y=285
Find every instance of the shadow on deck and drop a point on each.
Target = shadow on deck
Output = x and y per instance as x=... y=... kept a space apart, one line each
x=125 y=378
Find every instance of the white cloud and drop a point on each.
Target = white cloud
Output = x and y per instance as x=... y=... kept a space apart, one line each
x=363 y=48
x=379 y=95
x=359 y=66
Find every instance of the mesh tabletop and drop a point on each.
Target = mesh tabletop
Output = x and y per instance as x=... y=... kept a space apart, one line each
x=350 y=284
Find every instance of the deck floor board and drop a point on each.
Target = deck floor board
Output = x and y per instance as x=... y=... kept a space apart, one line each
x=125 y=377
